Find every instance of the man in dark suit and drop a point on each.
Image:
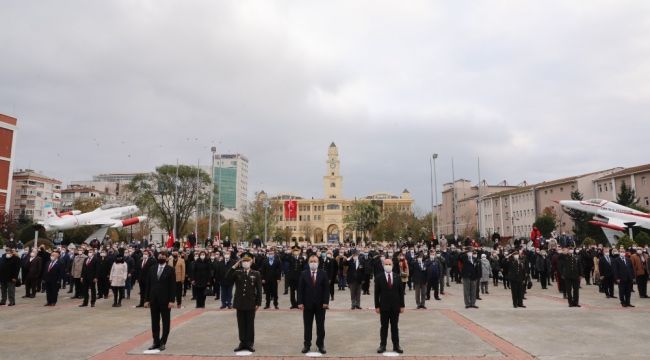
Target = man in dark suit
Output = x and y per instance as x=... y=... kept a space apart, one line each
x=419 y=277
x=517 y=277
x=623 y=275
x=329 y=264
x=389 y=303
x=160 y=299
x=313 y=300
x=606 y=271
x=470 y=273
x=271 y=274
x=89 y=278
x=248 y=298
x=296 y=266
x=355 y=275
x=141 y=272
x=52 y=277
x=31 y=272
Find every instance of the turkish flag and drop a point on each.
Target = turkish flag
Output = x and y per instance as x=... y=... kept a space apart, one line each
x=290 y=209
x=170 y=241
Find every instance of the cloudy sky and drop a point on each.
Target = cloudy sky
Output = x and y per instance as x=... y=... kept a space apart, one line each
x=537 y=89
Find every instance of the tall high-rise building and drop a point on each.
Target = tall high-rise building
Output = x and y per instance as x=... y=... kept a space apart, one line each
x=7 y=146
x=231 y=178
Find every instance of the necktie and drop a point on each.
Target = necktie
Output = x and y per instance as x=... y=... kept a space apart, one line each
x=88 y=261
x=313 y=278
x=50 y=268
x=143 y=262
x=390 y=281
x=160 y=270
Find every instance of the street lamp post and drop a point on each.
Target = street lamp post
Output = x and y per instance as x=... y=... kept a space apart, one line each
x=219 y=202
x=214 y=150
x=435 y=190
x=266 y=222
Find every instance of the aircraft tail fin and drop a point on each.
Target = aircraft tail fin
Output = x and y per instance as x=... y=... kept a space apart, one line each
x=50 y=214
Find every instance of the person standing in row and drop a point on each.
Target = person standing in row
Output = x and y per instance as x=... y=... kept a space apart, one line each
x=470 y=273
x=77 y=267
x=117 y=277
x=517 y=277
x=624 y=276
x=248 y=298
x=201 y=278
x=271 y=274
x=52 y=278
x=389 y=303
x=142 y=272
x=354 y=278
x=159 y=298
x=571 y=271
x=32 y=269
x=9 y=270
x=606 y=270
x=178 y=264
x=89 y=279
x=313 y=300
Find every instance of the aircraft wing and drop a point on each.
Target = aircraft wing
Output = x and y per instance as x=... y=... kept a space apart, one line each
x=104 y=222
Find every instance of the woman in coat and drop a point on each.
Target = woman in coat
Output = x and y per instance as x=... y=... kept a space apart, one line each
x=201 y=278
x=119 y=272
x=486 y=270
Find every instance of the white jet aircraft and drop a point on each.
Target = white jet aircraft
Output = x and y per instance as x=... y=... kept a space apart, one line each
x=105 y=216
x=612 y=218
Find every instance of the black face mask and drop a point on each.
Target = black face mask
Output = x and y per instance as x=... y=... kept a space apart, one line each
x=162 y=261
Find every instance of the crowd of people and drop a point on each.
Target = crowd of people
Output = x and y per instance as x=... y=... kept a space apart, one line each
x=92 y=271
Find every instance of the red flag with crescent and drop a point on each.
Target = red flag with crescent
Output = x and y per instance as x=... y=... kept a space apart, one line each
x=290 y=209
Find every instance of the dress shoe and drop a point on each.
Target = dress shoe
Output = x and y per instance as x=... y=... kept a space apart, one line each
x=266 y=307
x=630 y=305
x=223 y=307
x=229 y=307
x=240 y=348
x=139 y=306
x=424 y=307
x=398 y=350
x=162 y=347
x=522 y=306
x=12 y=304
x=277 y=307
x=474 y=306
x=46 y=305
x=83 y=305
x=437 y=298
x=381 y=350
x=322 y=350
x=478 y=298
x=153 y=347
x=92 y=305
x=305 y=349
x=577 y=305
x=25 y=297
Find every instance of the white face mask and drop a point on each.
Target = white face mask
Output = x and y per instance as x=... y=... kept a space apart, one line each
x=516 y=257
x=227 y=259
x=202 y=257
x=9 y=255
x=388 y=268
x=313 y=266
x=469 y=254
x=246 y=265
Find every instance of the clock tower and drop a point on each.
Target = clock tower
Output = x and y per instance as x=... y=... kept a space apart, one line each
x=332 y=179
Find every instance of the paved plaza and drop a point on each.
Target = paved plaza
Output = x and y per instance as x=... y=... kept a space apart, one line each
x=546 y=329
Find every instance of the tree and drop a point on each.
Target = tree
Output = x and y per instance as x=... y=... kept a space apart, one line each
x=394 y=225
x=364 y=217
x=642 y=238
x=155 y=192
x=625 y=242
x=253 y=217
x=546 y=223
x=627 y=196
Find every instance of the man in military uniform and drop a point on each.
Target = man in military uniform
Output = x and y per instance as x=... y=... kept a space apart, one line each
x=571 y=271
x=248 y=298
x=517 y=277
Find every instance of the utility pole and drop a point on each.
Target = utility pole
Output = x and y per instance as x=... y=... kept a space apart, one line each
x=175 y=200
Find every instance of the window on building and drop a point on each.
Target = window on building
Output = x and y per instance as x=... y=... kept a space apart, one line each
x=647 y=201
x=643 y=180
x=600 y=188
x=332 y=184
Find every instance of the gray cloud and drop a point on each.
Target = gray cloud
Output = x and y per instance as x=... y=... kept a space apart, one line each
x=537 y=90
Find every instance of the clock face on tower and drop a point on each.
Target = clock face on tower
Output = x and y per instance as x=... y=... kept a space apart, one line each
x=332 y=163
